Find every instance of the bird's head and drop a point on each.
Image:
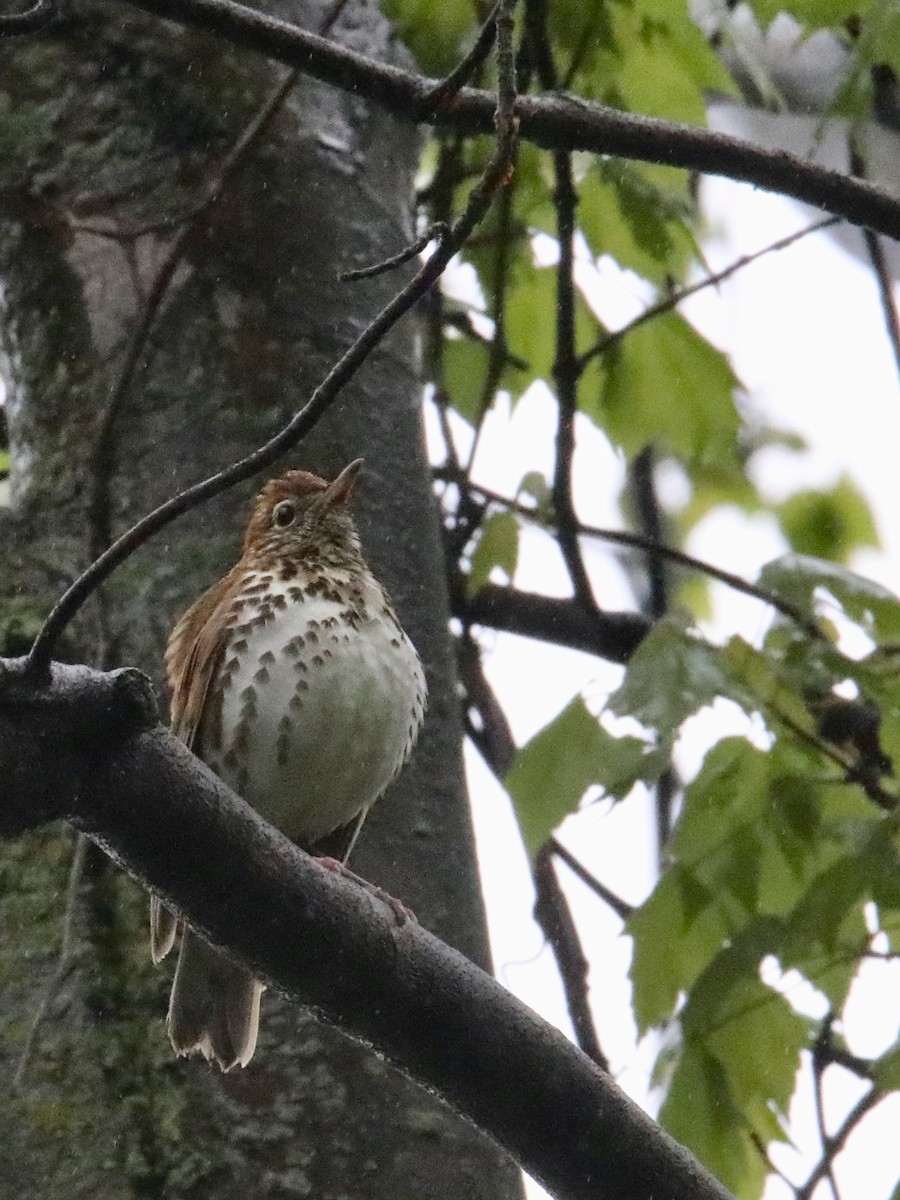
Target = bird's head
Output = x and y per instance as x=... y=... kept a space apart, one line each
x=299 y=515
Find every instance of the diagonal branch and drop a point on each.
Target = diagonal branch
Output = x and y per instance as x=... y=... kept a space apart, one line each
x=87 y=748
x=552 y=913
x=607 y=340
x=554 y=122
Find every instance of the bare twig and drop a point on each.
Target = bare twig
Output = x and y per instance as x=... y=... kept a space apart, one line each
x=820 y=1062
x=620 y=907
x=551 y=911
x=565 y=376
x=835 y=1144
x=565 y=365
x=434 y=233
x=498 y=351
x=637 y=542
x=63 y=963
x=885 y=283
x=882 y=272
x=670 y=302
x=495 y=175
x=650 y=518
x=494 y=739
x=448 y=88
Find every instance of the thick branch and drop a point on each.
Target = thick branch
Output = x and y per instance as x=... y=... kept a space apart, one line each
x=614 y=636
x=324 y=941
x=554 y=122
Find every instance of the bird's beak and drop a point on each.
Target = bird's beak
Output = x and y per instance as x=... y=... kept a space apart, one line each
x=340 y=489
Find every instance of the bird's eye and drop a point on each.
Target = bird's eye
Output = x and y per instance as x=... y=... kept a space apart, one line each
x=283 y=514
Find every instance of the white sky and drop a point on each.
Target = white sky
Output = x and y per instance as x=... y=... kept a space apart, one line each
x=805 y=333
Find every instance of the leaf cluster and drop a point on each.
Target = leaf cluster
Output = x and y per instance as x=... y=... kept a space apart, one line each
x=782 y=869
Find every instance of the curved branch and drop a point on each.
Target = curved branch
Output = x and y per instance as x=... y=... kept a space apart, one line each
x=554 y=122
x=321 y=939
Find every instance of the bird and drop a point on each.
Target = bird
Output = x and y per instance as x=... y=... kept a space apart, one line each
x=293 y=680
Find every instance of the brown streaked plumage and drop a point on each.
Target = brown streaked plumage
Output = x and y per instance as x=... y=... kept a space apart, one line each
x=293 y=680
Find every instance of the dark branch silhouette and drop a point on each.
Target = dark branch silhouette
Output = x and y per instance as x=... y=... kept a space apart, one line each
x=86 y=747
x=551 y=121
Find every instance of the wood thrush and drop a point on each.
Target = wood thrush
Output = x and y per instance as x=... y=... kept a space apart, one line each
x=293 y=680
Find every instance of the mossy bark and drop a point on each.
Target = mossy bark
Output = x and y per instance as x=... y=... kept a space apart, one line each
x=112 y=123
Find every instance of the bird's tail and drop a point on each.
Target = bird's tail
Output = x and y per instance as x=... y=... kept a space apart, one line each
x=214 y=1010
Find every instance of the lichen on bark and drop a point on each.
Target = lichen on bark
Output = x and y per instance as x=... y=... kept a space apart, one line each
x=111 y=122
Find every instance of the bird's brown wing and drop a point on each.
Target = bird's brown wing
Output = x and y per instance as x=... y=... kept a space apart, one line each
x=194 y=653
x=195 y=649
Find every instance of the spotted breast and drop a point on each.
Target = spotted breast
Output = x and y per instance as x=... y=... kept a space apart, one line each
x=294 y=681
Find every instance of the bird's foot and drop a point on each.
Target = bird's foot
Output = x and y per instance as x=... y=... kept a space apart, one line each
x=401 y=913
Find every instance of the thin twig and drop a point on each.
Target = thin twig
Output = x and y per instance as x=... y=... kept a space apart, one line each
x=495 y=175
x=565 y=363
x=819 y=1064
x=552 y=913
x=636 y=542
x=63 y=963
x=494 y=740
x=498 y=351
x=449 y=87
x=620 y=907
x=607 y=340
x=434 y=233
x=875 y=251
x=565 y=376
x=642 y=483
x=836 y=1143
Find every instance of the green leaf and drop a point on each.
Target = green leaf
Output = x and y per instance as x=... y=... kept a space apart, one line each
x=435 y=33
x=535 y=487
x=465 y=364
x=530 y=321
x=665 y=384
x=530 y=324
x=642 y=227
x=498 y=546
x=728 y=791
x=672 y=674
x=887 y=1070
x=552 y=772
x=749 y=1028
x=754 y=674
x=798 y=578
x=677 y=931
x=700 y=1112
x=828 y=524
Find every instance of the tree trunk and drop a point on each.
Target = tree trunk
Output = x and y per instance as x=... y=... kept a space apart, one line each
x=111 y=124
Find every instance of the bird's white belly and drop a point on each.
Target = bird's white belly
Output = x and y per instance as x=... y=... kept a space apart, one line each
x=318 y=714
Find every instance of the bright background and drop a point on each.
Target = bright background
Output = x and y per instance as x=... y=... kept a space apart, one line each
x=805 y=332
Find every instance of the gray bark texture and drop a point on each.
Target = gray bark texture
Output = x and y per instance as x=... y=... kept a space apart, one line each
x=114 y=122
